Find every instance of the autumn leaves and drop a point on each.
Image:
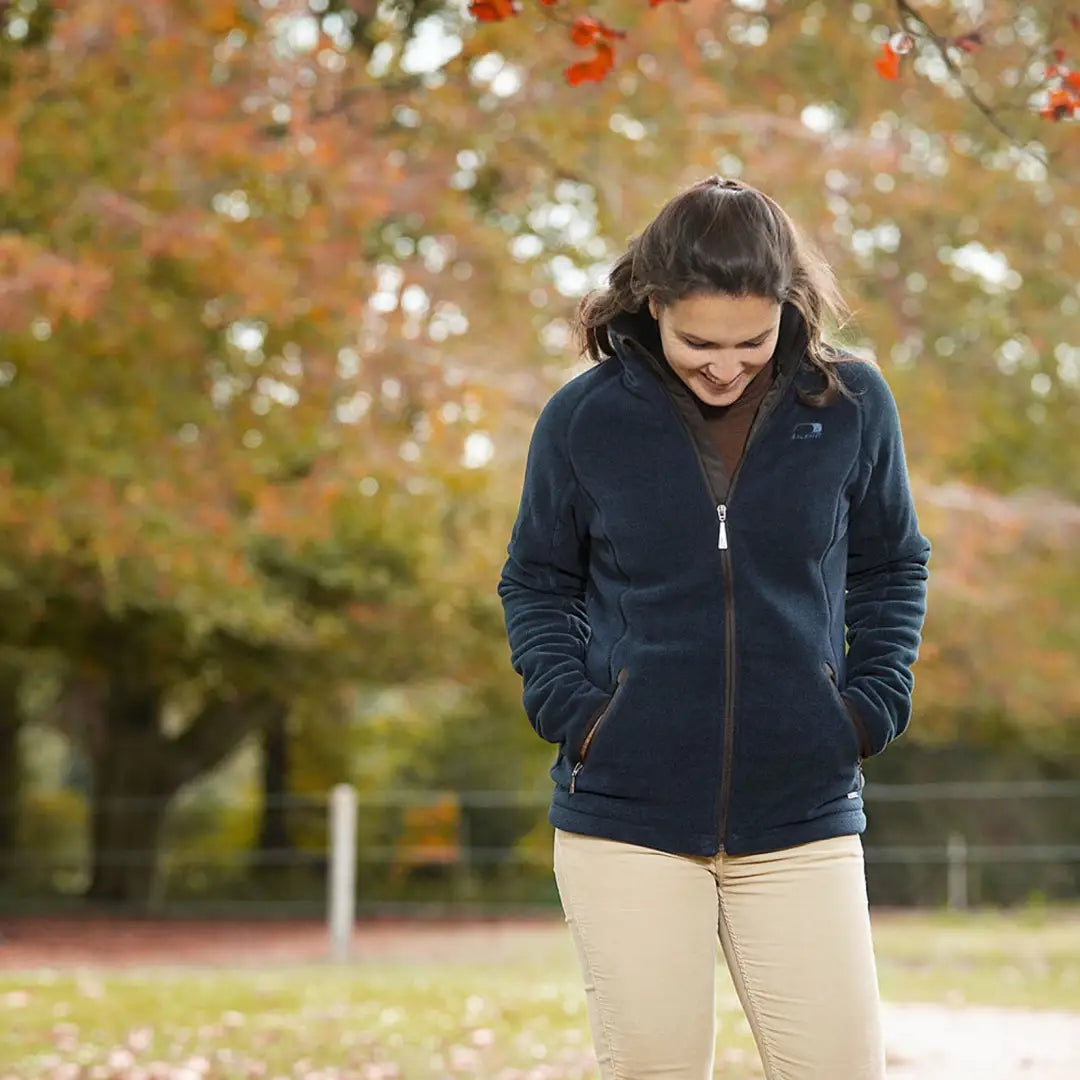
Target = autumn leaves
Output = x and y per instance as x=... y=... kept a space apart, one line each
x=1060 y=99
x=585 y=32
x=1062 y=82
x=1064 y=95
x=588 y=32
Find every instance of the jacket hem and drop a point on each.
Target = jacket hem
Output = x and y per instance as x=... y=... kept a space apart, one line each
x=844 y=823
x=629 y=832
x=841 y=823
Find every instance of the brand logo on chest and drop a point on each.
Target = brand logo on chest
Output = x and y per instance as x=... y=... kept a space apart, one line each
x=807 y=431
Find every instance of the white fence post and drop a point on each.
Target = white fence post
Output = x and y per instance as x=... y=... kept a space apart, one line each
x=342 y=885
x=957 y=856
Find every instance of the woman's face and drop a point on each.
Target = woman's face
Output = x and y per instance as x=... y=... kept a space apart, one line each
x=717 y=343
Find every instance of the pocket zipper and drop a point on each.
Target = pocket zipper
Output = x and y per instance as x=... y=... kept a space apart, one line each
x=595 y=726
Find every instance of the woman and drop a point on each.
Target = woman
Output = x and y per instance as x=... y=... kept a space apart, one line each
x=709 y=516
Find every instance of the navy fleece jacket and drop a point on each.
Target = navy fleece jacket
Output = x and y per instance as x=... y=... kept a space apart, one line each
x=713 y=656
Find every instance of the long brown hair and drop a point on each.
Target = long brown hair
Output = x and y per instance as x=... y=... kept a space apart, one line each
x=722 y=236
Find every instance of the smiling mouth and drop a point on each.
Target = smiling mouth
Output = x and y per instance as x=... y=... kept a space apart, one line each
x=717 y=384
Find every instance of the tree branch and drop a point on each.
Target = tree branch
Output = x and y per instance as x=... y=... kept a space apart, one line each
x=908 y=15
x=216 y=732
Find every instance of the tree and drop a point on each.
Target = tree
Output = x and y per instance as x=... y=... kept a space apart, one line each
x=1043 y=83
x=271 y=275
x=221 y=486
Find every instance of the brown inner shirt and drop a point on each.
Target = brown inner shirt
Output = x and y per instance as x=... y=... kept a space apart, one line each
x=729 y=425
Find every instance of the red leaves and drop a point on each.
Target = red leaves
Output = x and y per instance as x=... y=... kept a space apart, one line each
x=888 y=63
x=902 y=43
x=1063 y=104
x=592 y=70
x=585 y=31
x=492 y=10
x=1063 y=100
x=588 y=31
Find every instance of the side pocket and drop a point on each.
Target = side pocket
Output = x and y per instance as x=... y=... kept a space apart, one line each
x=855 y=721
x=600 y=717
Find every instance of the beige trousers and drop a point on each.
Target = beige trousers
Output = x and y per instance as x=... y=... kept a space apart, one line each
x=794 y=926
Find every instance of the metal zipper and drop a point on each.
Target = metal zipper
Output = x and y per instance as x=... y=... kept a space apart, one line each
x=729 y=649
x=729 y=612
x=729 y=597
x=729 y=690
x=604 y=713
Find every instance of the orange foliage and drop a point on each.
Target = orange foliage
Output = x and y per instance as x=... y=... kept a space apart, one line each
x=888 y=63
x=587 y=30
x=9 y=151
x=431 y=835
x=592 y=70
x=222 y=16
x=1062 y=105
x=1063 y=100
x=492 y=10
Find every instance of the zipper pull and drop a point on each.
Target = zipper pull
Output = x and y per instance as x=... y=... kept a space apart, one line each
x=721 y=513
x=573 y=776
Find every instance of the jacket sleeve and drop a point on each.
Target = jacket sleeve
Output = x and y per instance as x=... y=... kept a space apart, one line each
x=542 y=588
x=886 y=580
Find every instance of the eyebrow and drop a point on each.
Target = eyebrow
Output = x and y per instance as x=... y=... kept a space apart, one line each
x=687 y=336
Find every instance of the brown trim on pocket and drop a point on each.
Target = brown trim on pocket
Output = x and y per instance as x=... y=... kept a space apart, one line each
x=600 y=717
x=854 y=718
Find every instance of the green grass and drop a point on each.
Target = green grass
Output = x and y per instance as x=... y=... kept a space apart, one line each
x=516 y=1012
x=1028 y=958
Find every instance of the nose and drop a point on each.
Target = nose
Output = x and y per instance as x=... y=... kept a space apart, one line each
x=723 y=375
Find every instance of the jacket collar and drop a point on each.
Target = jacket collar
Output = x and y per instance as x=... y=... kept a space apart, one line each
x=635 y=339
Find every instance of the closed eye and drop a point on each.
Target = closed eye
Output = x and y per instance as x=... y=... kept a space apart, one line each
x=708 y=345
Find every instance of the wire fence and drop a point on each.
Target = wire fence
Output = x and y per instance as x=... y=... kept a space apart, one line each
x=951 y=842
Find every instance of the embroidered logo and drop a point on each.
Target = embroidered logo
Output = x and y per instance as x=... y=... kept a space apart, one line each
x=807 y=431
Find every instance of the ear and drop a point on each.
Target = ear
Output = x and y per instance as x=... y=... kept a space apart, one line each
x=654 y=311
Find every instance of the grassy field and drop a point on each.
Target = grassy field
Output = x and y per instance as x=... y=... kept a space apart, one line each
x=513 y=1011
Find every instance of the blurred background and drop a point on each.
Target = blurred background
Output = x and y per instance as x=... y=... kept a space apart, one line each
x=283 y=286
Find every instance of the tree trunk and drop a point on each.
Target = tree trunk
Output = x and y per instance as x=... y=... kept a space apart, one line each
x=131 y=792
x=274 y=826
x=137 y=772
x=10 y=770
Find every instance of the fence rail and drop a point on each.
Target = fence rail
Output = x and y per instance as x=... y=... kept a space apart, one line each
x=873 y=792
x=462 y=840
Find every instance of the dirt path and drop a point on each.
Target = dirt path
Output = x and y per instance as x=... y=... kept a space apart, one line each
x=934 y=1042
